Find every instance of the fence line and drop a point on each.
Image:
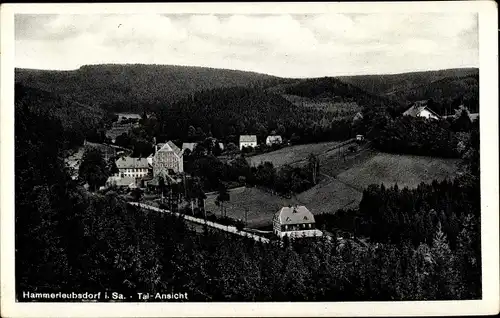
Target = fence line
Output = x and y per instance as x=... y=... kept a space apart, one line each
x=226 y=228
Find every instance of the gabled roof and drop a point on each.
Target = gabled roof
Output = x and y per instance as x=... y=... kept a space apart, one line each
x=358 y=116
x=295 y=215
x=132 y=163
x=248 y=138
x=170 y=146
x=417 y=108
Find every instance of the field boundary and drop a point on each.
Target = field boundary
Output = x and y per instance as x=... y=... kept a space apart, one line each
x=226 y=228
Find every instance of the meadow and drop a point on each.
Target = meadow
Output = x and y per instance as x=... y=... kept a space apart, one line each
x=405 y=170
x=341 y=185
x=292 y=154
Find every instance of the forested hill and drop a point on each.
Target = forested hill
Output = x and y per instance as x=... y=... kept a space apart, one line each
x=133 y=87
x=447 y=89
x=330 y=88
x=77 y=120
x=226 y=113
x=391 y=83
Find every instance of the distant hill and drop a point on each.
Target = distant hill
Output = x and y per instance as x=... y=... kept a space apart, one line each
x=78 y=120
x=445 y=94
x=133 y=87
x=447 y=89
x=392 y=83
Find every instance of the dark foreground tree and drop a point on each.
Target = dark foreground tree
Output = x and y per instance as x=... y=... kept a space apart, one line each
x=93 y=169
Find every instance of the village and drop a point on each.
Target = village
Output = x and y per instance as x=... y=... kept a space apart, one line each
x=144 y=179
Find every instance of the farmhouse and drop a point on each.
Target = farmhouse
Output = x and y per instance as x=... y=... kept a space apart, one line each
x=167 y=157
x=420 y=109
x=295 y=221
x=248 y=141
x=132 y=167
x=188 y=145
x=273 y=140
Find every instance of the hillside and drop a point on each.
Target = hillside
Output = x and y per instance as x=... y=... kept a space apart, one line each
x=446 y=94
x=328 y=89
x=226 y=113
x=78 y=120
x=390 y=83
x=132 y=87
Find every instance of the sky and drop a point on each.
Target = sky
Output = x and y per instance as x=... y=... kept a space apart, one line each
x=312 y=45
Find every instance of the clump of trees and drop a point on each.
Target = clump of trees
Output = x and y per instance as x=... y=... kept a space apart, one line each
x=93 y=169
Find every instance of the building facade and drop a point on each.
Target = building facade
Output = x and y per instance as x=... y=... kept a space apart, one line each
x=274 y=140
x=295 y=222
x=168 y=158
x=132 y=167
x=248 y=141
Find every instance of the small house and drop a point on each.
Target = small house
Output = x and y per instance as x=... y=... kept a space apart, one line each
x=420 y=109
x=296 y=222
x=274 y=140
x=248 y=141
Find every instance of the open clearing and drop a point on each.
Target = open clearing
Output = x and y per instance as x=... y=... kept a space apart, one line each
x=260 y=204
x=292 y=154
x=405 y=170
x=341 y=184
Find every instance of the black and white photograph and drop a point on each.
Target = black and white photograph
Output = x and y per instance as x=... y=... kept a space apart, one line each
x=200 y=155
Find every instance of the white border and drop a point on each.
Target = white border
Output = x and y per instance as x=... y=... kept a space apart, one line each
x=488 y=53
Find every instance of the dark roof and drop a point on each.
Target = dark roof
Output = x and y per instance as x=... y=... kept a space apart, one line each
x=134 y=163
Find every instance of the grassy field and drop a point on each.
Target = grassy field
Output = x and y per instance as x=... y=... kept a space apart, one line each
x=330 y=195
x=260 y=204
x=341 y=184
x=406 y=171
x=289 y=155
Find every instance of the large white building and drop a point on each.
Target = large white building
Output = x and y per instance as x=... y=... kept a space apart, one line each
x=168 y=157
x=295 y=222
x=248 y=141
x=132 y=167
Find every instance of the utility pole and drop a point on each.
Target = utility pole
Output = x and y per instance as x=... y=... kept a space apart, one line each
x=246 y=217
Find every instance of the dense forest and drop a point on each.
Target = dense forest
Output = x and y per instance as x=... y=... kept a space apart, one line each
x=386 y=84
x=135 y=87
x=227 y=113
x=445 y=95
x=79 y=121
x=392 y=132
